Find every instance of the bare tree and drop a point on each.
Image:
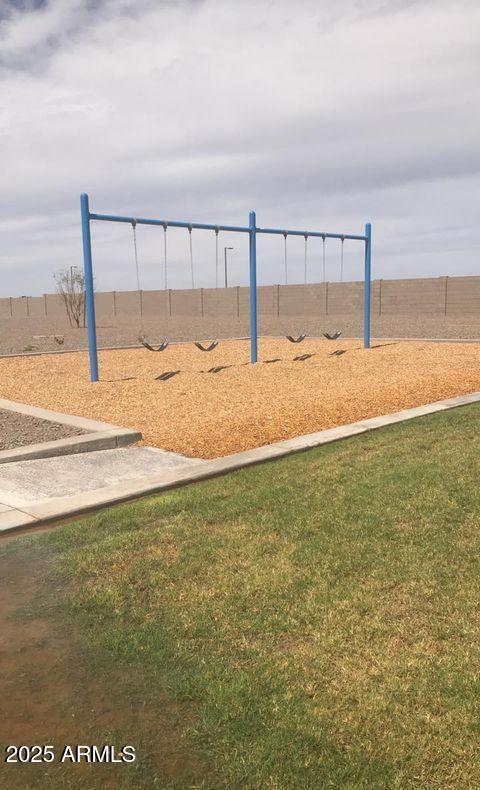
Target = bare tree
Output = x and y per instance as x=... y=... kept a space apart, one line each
x=70 y=284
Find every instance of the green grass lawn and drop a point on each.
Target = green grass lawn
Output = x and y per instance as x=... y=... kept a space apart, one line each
x=308 y=623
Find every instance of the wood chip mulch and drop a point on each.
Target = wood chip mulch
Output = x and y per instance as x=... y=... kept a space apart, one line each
x=212 y=404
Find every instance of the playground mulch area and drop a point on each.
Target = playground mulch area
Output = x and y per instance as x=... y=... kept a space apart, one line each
x=19 y=430
x=213 y=404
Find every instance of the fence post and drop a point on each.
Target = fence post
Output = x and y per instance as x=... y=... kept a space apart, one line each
x=45 y=303
x=367 y=285
x=89 y=293
x=253 y=288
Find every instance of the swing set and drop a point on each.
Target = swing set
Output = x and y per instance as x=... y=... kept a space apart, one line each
x=252 y=230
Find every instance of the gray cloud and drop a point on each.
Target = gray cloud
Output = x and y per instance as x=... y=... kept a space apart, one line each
x=317 y=115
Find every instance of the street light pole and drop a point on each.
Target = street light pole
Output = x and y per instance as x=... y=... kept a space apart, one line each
x=225 y=254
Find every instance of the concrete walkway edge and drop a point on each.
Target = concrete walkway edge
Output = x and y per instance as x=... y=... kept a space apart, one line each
x=41 y=512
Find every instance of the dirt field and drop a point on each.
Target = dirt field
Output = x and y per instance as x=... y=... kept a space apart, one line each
x=216 y=403
x=46 y=697
x=33 y=335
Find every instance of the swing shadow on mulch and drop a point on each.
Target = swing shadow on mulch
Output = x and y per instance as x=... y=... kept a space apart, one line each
x=218 y=368
x=169 y=374
x=303 y=357
x=123 y=378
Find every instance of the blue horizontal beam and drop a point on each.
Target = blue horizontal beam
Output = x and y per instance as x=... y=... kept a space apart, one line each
x=169 y=223
x=285 y=232
x=226 y=228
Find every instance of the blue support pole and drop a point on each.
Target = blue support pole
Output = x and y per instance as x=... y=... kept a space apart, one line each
x=89 y=293
x=367 y=285
x=253 y=288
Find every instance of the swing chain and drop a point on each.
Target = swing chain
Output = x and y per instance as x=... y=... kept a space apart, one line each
x=217 y=231
x=323 y=257
x=135 y=251
x=190 y=228
x=165 y=279
x=341 y=259
x=305 y=258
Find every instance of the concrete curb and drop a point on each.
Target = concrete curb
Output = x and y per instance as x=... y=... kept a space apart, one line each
x=99 y=436
x=43 y=512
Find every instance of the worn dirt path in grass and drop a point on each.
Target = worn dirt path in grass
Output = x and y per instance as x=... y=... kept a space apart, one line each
x=216 y=403
x=48 y=696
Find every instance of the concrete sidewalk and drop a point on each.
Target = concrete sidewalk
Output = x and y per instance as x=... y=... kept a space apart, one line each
x=48 y=489
x=26 y=486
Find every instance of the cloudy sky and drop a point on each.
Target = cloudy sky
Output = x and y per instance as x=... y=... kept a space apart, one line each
x=318 y=115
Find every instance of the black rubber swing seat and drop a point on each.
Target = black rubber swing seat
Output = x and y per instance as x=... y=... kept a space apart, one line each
x=296 y=339
x=210 y=347
x=335 y=335
x=147 y=345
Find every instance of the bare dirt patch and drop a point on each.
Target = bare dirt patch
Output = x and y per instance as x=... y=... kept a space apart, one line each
x=19 y=430
x=37 y=335
x=213 y=404
x=49 y=695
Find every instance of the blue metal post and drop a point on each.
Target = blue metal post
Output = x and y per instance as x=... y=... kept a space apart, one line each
x=367 y=285
x=253 y=288
x=89 y=293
